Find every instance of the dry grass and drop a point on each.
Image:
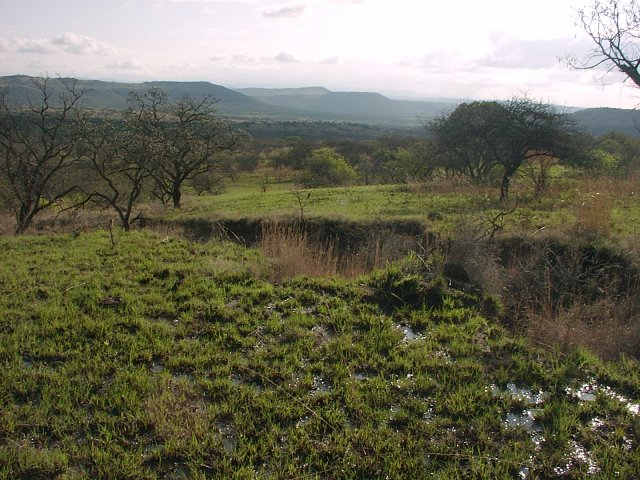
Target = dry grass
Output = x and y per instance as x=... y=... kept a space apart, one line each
x=593 y=215
x=573 y=296
x=607 y=327
x=293 y=253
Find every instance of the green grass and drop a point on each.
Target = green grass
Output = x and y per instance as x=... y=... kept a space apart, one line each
x=162 y=358
x=569 y=201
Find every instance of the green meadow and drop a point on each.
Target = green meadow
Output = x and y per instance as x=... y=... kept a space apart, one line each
x=146 y=355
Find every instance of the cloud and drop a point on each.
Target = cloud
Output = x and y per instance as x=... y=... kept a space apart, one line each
x=80 y=44
x=124 y=65
x=330 y=61
x=68 y=42
x=283 y=11
x=26 y=45
x=509 y=52
x=285 y=58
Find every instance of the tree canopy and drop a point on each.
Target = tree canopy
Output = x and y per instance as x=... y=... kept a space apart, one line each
x=479 y=137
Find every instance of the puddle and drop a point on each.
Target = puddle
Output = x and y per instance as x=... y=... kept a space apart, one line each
x=526 y=420
x=303 y=421
x=521 y=394
x=183 y=377
x=27 y=361
x=228 y=435
x=429 y=415
x=360 y=375
x=579 y=456
x=408 y=335
x=154 y=448
x=236 y=379
x=157 y=367
x=589 y=391
x=320 y=385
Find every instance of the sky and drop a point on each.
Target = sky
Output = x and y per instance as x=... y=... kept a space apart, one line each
x=417 y=49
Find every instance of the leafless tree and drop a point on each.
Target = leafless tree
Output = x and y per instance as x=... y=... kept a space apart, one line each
x=38 y=148
x=614 y=28
x=117 y=175
x=187 y=137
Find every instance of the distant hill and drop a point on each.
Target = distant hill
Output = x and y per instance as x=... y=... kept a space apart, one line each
x=309 y=104
x=113 y=95
x=350 y=105
x=598 y=121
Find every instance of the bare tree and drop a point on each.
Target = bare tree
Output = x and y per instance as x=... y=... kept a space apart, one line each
x=187 y=136
x=37 y=148
x=117 y=171
x=614 y=28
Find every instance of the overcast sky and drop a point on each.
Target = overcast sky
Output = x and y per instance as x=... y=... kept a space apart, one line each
x=491 y=49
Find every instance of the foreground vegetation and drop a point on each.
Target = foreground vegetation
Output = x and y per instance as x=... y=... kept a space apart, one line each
x=144 y=356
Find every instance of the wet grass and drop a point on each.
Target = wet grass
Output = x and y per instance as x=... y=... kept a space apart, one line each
x=161 y=358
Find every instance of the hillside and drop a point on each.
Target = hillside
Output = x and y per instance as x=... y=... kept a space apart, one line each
x=599 y=121
x=113 y=95
x=309 y=104
x=363 y=105
x=301 y=104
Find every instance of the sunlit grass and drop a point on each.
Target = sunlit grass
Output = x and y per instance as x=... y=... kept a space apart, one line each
x=157 y=357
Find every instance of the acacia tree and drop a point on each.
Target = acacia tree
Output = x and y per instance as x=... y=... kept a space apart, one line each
x=187 y=137
x=461 y=138
x=614 y=28
x=38 y=148
x=507 y=135
x=117 y=171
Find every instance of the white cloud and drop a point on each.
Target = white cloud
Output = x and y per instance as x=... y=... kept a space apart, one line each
x=330 y=61
x=26 y=45
x=67 y=42
x=283 y=11
x=80 y=44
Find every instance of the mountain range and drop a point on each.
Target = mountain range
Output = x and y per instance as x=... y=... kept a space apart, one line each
x=297 y=104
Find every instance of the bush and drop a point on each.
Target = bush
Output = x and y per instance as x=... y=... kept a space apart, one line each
x=326 y=168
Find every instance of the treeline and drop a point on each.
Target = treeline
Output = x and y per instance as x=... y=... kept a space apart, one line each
x=56 y=153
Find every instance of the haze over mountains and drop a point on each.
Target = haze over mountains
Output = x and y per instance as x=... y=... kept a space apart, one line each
x=299 y=104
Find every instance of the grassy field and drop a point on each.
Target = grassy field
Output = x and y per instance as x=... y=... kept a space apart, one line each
x=149 y=356
x=606 y=205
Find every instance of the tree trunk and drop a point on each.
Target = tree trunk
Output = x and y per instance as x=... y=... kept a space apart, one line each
x=176 y=195
x=504 y=187
x=23 y=219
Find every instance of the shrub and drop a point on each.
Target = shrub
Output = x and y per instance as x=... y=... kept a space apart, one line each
x=325 y=167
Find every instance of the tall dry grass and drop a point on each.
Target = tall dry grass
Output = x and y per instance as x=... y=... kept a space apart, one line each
x=293 y=253
x=574 y=296
x=593 y=215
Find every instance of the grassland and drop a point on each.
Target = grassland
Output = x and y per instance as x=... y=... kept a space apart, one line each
x=607 y=205
x=151 y=356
